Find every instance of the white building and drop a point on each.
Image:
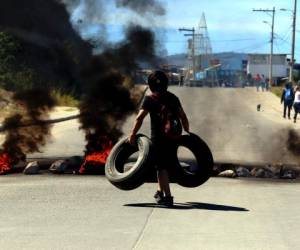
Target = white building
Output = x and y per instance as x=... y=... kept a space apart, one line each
x=260 y=64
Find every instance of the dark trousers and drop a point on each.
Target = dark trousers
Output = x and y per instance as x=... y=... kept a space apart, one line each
x=297 y=109
x=287 y=105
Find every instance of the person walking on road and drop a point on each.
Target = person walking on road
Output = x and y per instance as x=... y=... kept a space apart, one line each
x=267 y=84
x=296 y=86
x=263 y=82
x=287 y=98
x=257 y=81
x=297 y=103
x=163 y=146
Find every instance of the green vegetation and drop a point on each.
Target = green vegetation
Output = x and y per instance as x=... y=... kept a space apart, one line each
x=64 y=99
x=8 y=49
x=18 y=72
x=14 y=74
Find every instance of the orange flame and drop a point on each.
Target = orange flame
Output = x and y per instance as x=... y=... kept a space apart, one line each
x=5 y=163
x=98 y=157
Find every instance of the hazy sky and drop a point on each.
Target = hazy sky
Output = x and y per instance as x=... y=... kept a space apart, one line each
x=232 y=25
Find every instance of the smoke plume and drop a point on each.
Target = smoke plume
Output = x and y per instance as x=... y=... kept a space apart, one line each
x=58 y=54
x=107 y=102
x=90 y=10
x=43 y=23
x=293 y=142
x=143 y=6
x=35 y=106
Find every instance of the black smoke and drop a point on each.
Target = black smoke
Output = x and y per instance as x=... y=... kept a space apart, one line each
x=91 y=10
x=59 y=54
x=108 y=102
x=293 y=142
x=44 y=23
x=50 y=45
x=34 y=106
x=143 y=6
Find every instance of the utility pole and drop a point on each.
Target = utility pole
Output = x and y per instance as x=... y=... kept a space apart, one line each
x=293 y=42
x=272 y=41
x=192 y=34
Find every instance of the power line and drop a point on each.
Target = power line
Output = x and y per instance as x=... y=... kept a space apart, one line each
x=287 y=33
x=235 y=40
x=282 y=40
x=278 y=50
x=215 y=41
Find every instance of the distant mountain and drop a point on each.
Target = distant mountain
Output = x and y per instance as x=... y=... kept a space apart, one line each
x=177 y=59
x=228 y=60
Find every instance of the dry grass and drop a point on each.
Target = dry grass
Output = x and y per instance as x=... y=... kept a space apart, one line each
x=63 y=99
x=6 y=106
x=277 y=91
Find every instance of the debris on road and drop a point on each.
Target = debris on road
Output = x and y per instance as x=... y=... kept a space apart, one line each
x=228 y=173
x=58 y=167
x=268 y=171
x=32 y=168
x=289 y=174
x=243 y=172
x=261 y=173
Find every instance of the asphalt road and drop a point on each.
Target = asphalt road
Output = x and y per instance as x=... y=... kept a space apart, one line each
x=86 y=212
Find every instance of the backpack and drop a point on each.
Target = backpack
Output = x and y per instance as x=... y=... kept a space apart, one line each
x=288 y=94
x=170 y=123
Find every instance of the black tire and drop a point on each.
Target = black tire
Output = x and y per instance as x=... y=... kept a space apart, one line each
x=204 y=159
x=120 y=153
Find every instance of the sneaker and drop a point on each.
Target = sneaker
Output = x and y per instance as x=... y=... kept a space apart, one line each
x=159 y=197
x=168 y=201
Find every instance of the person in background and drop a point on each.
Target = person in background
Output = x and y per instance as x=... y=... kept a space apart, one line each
x=257 y=81
x=263 y=82
x=287 y=98
x=297 y=85
x=181 y=80
x=267 y=82
x=164 y=148
x=297 y=103
x=249 y=80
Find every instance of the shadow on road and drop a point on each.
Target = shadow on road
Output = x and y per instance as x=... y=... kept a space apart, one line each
x=191 y=205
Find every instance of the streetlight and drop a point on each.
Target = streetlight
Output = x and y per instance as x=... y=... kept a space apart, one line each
x=293 y=39
x=271 y=50
x=192 y=34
